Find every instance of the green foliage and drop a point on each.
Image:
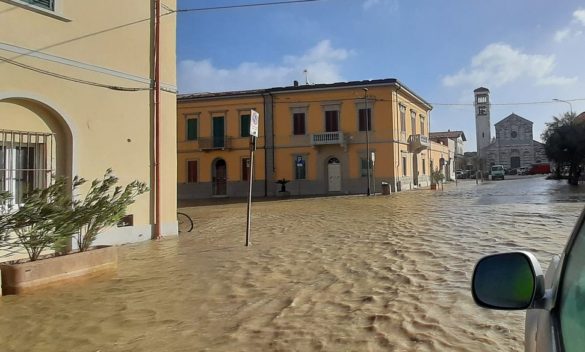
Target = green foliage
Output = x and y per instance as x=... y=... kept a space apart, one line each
x=42 y=222
x=104 y=205
x=437 y=176
x=49 y=218
x=564 y=143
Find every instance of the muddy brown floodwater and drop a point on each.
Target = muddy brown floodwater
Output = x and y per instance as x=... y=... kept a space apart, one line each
x=385 y=273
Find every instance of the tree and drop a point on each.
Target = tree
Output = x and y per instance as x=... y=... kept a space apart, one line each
x=42 y=222
x=103 y=207
x=564 y=144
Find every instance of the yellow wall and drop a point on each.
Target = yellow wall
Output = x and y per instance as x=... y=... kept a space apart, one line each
x=106 y=128
x=231 y=108
x=385 y=137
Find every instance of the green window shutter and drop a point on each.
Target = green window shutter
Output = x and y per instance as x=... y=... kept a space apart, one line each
x=191 y=129
x=245 y=125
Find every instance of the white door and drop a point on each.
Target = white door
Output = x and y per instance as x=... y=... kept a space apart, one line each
x=334 y=174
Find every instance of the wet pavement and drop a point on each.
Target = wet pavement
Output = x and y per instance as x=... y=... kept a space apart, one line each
x=351 y=273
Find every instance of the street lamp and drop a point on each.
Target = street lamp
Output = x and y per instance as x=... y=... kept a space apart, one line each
x=367 y=137
x=564 y=101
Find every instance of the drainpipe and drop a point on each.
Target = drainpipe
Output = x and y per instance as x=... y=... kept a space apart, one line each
x=157 y=229
x=397 y=162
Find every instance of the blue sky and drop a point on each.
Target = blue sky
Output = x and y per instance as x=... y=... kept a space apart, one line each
x=523 y=51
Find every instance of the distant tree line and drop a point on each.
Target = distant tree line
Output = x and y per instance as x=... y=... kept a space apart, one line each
x=564 y=144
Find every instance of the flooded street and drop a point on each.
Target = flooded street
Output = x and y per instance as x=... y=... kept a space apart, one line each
x=385 y=273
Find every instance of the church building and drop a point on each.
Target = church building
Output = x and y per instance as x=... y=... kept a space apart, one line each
x=514 y=146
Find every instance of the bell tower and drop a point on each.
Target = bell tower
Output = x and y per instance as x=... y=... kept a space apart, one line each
x=482 y=119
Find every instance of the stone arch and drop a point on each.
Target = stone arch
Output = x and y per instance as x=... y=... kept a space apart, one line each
x=30 y=113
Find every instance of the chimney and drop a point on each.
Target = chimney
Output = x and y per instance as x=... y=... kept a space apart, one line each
x=296 y=83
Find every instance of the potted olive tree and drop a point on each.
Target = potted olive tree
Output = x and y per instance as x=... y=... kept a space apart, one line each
x=47 y=221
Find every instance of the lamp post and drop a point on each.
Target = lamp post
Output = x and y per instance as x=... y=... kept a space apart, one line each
x=367 y=117
x=564 y=101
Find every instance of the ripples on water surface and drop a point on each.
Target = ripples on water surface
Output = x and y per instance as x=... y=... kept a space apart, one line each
x=334 y=274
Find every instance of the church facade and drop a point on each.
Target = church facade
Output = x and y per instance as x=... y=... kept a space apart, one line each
x=514 y=146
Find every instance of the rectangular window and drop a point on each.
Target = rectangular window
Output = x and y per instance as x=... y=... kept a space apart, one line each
x=481 y=110
x=422 y=124
x=424 y=167
x=403 y=166
x=365 y=119
x=300 y=168
x=413 y=121
x=192 y=171
x=26 y=162
x=45 y=4
x=331 y=121
x=364 y=167
x=191 y=129
x=245 y=125
x=299 y=123
x=245 y=169
x=402 y=118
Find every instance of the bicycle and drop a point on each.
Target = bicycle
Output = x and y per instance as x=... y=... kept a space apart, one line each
x=185 y=222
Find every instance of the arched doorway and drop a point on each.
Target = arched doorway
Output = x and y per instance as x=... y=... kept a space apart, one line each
x=219 y=177
x=334 y=175
x=36 y=143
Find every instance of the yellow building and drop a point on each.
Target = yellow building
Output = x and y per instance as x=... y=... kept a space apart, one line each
x=316 y=137
x=77 y=97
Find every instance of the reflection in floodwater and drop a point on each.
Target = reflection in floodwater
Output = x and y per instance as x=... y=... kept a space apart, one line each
x=340 y=273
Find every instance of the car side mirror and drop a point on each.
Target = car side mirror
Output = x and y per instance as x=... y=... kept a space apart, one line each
x=510 y=281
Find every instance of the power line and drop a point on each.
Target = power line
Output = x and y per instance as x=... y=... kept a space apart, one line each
x=273 y=3
x=71 y=79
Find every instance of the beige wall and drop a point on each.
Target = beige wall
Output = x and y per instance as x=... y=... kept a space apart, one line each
x=103 y=127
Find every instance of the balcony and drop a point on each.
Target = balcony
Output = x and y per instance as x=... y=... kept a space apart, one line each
x=418 y=142
x=215 y=143
x=327 y=138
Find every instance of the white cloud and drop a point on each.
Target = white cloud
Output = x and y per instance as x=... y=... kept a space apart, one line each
x=499 y=64
x=321 y=62
x=579 y=15
x=562 y=34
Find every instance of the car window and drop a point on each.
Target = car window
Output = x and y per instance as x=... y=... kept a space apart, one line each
x=572 y=302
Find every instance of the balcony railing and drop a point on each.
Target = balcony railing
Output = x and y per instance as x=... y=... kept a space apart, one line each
x=215 y=143
x=327 y=138
x=418 y=142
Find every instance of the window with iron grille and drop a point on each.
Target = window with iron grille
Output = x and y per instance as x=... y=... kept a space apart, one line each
x=45 y=4
x=422 y=124
x=26 y=162
x=403 y=166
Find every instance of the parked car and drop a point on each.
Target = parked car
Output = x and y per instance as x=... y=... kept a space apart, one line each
x=497 y=172
x=522 y=171
x=555 y=302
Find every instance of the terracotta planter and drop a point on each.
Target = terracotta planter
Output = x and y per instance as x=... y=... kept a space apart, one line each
x=24 y=277
x=433 y=186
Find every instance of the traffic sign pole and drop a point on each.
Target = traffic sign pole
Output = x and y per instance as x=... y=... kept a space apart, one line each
x=254 y=121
